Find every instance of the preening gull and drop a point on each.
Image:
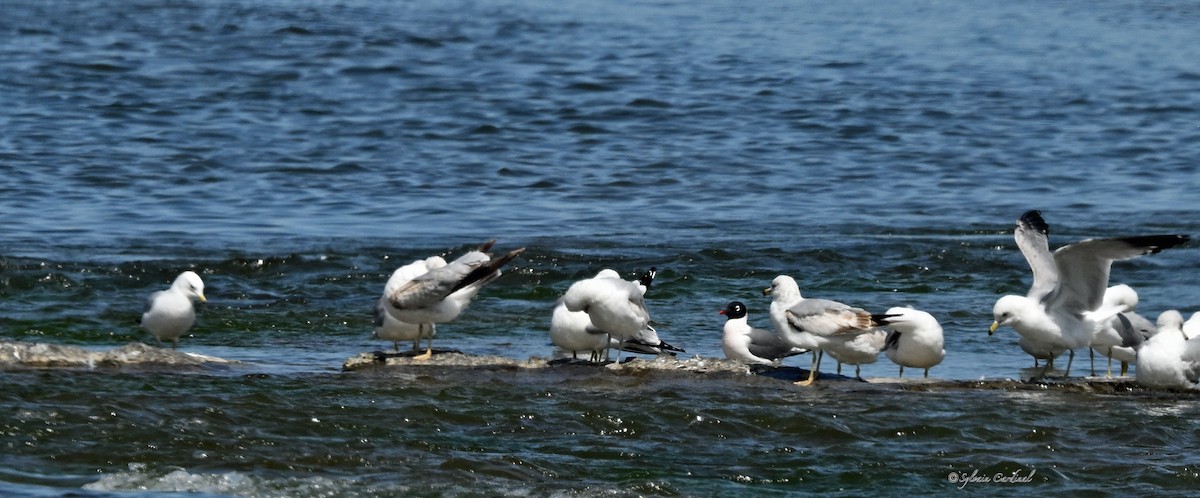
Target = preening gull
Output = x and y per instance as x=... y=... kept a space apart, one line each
x=442 y=292
x=819 y=325
x=1119 y=337
x=915 y=340
x=574 y=331
x=169 y=313
x=742 y=342
x=617 y=308
x=1169 y=359
x=388 y=327
x=1063 y=306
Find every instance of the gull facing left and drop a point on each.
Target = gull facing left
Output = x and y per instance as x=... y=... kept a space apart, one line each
x=1063 y=306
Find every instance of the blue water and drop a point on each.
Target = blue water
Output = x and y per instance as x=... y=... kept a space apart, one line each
x=295 y=153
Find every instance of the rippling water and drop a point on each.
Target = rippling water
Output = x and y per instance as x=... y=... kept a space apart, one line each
x=295 y=153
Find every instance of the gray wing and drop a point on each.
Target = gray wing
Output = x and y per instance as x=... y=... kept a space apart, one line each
x=1130 y=336
x=436 y=284
x=767 y=344
x=1083 y=267
x=1141 y=324
x=825 y=317
x=1031 y=236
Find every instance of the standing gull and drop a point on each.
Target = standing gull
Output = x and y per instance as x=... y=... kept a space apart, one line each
x=1063 y=307
x=817 y=324
x=747 y=344
x=1169 y=359
x=442 y=292
x=916 y=339
x=574 y=331
x=1120 y=336
x=617 y=308
x=387 y=327
x=169 y=313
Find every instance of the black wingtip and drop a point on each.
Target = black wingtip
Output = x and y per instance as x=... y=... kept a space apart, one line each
x=881 y=319
x=892 y=341
x=1034 y=219
x=488 y=270
x=1155 y=244
x=667 y=347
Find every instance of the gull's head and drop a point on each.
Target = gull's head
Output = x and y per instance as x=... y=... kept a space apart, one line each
x=1170 y=321
x=784 y=288
x=190 y=284
x=1007 y=311
x=735 y=310
x=1121 y=294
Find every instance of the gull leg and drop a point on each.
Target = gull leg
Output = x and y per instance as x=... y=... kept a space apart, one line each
x=858 y=372
x=1046 y=369
x=1124 y=368
x=839 y=367
x=1109 y=374
x=901 y=371
x=1092 y=356
x=812 y=373
x=926 y=373
x=1070 y=359
x=428 y=352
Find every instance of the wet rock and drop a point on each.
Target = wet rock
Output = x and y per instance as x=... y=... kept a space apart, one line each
x=40 y=355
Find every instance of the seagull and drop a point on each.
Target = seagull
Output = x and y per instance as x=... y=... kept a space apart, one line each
x=747 y=344
x=1119 y=337
x=818 y=324
x=388 y=327
x=169 y=313
x=863 y=349
x=916 y=339
x=1169 y=359
x=573 y=330
x=617 y=308
x=442 y=292
x=1039 y=353
x=1063 y=307
x=1191 y=328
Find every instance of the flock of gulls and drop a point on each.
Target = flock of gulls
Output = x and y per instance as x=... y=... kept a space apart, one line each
x=1069 y=306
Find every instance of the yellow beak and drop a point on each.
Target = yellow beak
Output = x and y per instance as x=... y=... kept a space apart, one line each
x=992 y=329
x=767 y=291
x=201 y=296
